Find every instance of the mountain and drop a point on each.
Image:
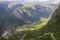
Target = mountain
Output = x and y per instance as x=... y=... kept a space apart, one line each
x=14 y=14
x=50 y=31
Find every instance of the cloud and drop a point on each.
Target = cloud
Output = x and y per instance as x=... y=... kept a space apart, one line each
x=32 y=1
x=10 y=0
x=25 y=0
x=36 y=0
x=54 y=1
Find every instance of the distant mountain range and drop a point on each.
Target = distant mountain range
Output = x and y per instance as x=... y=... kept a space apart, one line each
x=14 y=14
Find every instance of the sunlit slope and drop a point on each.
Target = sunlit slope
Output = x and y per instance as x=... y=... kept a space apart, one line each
x=29 y=30
x=34 y=26
x=30 y=27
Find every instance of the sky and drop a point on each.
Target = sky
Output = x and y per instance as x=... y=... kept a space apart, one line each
x=31 y=1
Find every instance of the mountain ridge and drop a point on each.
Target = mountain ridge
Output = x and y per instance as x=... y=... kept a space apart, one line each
x=18 y=15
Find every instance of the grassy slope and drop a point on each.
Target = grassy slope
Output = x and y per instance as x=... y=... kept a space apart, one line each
x=31 y=33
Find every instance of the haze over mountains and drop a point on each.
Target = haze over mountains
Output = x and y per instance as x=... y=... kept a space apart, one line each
x=34 y=1
x=14 y=14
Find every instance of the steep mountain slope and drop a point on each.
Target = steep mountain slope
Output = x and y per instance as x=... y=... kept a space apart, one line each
x=53 y=25
x=49 y=32
x=12 y=16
